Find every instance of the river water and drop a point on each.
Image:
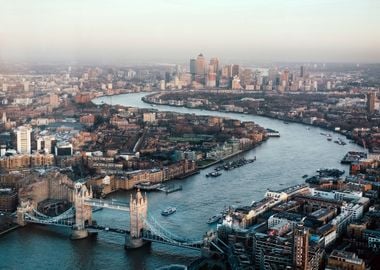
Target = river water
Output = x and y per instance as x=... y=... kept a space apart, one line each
x=280 y=162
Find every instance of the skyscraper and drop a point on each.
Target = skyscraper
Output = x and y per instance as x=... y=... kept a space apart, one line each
x=213 y=73
x=192 y=68
x=200 y=69
x=211 y=77
x=23 y=139
x=235 y=70
x=300 y=247
x=371 y=98
x=302 y=71
x=214 y=64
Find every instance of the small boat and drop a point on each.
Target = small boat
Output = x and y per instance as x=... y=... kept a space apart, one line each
x=168 y=211
x=329 y=139
x=214 y=174
x=214 y=219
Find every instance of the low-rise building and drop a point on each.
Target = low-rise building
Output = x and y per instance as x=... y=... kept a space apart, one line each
x=344 y=260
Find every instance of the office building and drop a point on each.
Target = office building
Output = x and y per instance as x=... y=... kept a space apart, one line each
x=302 y=71
x=193 y=68
x=371 y=100
x=200 y=69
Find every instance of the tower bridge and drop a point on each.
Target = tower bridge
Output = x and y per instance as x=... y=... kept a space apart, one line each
x=143 y=228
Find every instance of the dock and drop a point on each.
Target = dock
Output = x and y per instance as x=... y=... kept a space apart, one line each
x=169 y=188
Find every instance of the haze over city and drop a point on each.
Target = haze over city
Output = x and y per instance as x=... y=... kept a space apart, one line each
x=122 y=32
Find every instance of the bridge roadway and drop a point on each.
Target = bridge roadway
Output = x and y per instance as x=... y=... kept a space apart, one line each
x=108 y=229
x=113 y=204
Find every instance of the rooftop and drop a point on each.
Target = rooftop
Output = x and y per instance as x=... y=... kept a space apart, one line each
x=347 y=256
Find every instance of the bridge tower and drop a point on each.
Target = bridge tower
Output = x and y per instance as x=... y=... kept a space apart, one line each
x=83 y=213
x=24 y=208
x=138 y=213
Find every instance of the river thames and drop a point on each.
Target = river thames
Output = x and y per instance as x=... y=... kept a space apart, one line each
x=281 y=162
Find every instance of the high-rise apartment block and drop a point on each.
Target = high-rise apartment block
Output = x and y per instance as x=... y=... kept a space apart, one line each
x=23 y=134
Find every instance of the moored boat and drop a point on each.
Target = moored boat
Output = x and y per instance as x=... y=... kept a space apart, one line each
x=214 y=219
x=148 y=186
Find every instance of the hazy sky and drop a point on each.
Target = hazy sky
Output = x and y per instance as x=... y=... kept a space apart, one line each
x=108 y=31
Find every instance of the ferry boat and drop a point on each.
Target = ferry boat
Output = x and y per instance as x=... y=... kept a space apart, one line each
x=214 y=219
x=168 y=211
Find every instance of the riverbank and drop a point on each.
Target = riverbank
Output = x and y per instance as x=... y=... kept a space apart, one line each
x=146 y=99
x=230 y=156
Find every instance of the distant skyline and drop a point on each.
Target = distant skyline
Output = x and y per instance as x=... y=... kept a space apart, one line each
x=123 y=31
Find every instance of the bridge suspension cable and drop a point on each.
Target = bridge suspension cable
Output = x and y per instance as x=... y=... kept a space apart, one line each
x=156 y=230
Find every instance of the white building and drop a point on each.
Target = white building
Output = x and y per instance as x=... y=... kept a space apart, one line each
x=45 y=143
x=24 y=139
x=355 y=209
x=338 y=195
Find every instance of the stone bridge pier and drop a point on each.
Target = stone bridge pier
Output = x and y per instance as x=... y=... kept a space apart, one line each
x=83 y=212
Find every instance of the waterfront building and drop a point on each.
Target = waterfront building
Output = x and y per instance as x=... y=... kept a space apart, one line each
x=23 y=134
x=8 y=199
